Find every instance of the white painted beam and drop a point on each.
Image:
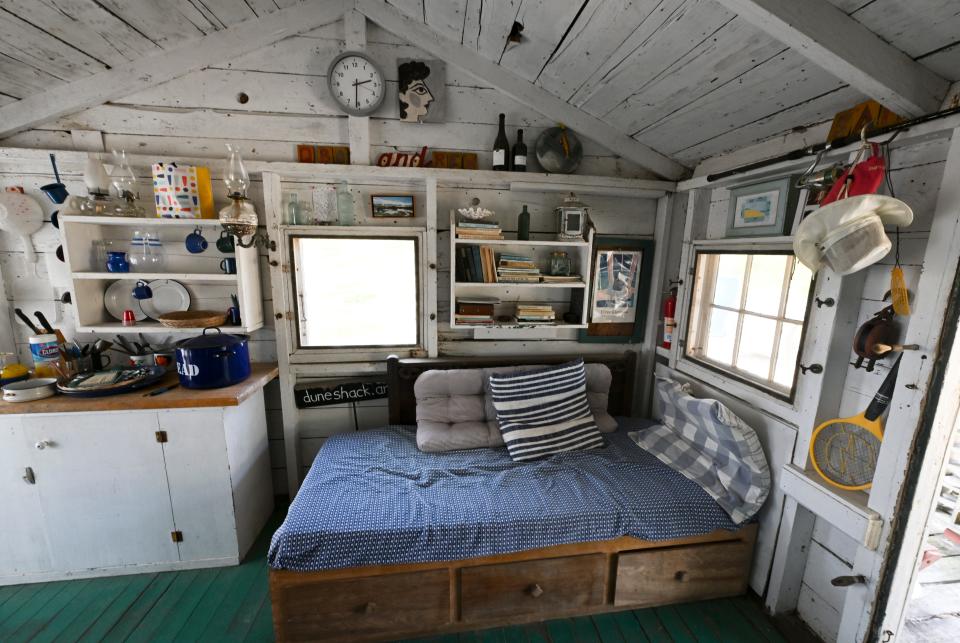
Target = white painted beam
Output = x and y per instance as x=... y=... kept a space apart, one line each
x=157 y=68
x=519 y=89
x=355 y=34
x=842 y=46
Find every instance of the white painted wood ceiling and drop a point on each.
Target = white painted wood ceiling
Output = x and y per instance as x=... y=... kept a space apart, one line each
x=687 y=78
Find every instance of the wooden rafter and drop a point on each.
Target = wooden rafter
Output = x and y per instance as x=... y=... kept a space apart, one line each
x=842 y=46
x=151 y=70
x=519 y=89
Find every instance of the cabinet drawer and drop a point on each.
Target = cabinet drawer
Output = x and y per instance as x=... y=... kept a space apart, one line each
x=360 y=608
x=682 y=573
x=532 y=587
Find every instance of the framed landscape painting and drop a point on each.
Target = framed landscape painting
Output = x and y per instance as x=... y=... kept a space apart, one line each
x=392 y=206
x=762 y=209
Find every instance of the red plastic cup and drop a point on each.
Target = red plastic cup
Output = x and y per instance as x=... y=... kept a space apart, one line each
x=128 y=318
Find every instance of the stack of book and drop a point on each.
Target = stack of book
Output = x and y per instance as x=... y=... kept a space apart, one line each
x=517 y=269
x=475 y=311
x=483 y=230
x=475 y=264
x=561 y=279
x=532 y=314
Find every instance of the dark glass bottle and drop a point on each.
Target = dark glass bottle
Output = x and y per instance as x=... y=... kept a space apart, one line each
x=501 y=147
x=523 y=225
x=519 y=155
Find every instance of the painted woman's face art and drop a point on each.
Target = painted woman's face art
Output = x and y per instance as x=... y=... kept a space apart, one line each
x=418 y=99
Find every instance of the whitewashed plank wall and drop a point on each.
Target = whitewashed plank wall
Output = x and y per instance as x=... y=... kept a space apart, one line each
x=288 y=104
x=916 y=173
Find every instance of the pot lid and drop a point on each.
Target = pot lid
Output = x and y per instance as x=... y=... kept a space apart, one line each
x=209 y=339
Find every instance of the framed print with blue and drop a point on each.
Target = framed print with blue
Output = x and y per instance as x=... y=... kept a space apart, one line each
x=762 y=209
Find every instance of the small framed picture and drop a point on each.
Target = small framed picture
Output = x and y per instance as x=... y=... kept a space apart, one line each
x=762 y=209
x=392 y=206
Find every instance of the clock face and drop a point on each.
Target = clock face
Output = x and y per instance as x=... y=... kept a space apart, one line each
x=356 y=83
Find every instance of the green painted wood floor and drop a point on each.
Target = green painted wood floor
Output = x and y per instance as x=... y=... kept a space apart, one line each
x=233 y=604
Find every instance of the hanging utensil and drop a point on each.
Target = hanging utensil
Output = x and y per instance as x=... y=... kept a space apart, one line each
x=43 y=322
x=899 y=294
x=26 y=320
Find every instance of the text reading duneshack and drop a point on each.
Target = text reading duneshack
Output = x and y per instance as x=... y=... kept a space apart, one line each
x=308 y=396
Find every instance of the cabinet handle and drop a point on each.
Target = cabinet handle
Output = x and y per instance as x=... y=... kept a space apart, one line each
x=535 y=590
x=370 y=608
x=43 y=444
x=680 y=576
x=28 y=476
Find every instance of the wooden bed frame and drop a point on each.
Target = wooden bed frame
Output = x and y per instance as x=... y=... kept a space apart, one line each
x=383 y=602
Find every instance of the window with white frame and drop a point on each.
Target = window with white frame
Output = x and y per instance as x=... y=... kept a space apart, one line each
x=747 y=314
x=358 y=291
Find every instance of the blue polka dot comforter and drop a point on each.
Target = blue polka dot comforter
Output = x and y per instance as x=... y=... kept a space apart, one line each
x=373 y=498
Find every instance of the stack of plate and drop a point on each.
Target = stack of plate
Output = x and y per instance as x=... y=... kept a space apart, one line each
x=168 y=296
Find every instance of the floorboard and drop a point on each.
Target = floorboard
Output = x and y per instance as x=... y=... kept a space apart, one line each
x=233 y=604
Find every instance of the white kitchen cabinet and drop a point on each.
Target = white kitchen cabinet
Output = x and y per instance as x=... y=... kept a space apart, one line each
x=130 y=491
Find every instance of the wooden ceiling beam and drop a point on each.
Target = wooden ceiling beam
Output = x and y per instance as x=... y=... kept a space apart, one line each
x=842 y=46
x=157 y=68
x=519 y=89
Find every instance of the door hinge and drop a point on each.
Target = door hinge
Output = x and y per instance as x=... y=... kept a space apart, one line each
x=176 y=536
x=161 y=436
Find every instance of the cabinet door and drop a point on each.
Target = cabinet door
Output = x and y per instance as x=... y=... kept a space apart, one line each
x=24 y=545
x=103 y=489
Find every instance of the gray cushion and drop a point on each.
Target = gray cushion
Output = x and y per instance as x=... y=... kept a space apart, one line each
x=455 y=407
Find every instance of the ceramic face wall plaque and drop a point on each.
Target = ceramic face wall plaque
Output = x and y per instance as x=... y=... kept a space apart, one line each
x=420 y=91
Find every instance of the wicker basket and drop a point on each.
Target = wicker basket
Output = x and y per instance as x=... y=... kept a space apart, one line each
x=193 y=319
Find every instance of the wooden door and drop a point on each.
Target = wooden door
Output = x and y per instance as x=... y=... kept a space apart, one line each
x=103 y=489
x=24 y=546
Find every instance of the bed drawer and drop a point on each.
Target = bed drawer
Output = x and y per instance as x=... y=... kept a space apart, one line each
x=361 y=608
x=660 y=576
x=549 y=586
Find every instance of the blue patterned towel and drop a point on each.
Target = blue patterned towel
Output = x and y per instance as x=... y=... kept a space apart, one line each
x=373 y=498
x=710 y=445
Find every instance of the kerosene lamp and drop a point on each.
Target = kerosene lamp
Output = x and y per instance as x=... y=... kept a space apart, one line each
x=240 y=217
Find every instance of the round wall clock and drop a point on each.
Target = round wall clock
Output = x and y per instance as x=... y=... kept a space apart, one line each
x=356 y=83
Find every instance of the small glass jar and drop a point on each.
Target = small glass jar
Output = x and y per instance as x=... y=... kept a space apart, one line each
x=560 y=264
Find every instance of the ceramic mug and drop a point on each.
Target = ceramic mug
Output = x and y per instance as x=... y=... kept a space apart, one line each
x=229 y=266
x=142 y=360
x=142 y=290
x=225 y=242
x=233 y=316
x=195 y=242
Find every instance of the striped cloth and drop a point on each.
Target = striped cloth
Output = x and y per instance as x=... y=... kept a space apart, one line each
x=545 y=411
x=710 y=445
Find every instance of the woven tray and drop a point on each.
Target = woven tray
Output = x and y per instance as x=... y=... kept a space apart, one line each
x=193 y=319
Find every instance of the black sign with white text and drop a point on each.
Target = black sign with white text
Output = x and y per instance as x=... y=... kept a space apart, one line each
x=310 y=396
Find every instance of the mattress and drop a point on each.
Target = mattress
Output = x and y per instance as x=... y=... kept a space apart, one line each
x=373 y=498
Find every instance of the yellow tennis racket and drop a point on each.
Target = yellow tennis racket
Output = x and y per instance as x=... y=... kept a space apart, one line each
x=844 y=451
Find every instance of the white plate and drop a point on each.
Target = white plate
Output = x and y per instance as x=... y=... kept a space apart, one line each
x=119 y=297
x=169 y=296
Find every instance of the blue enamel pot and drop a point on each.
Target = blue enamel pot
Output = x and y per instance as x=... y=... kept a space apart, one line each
x=213 y=360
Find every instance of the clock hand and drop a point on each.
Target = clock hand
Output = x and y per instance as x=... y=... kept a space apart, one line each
x=362 y=82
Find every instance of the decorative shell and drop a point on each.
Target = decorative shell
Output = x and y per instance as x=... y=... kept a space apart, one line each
x=475 y=213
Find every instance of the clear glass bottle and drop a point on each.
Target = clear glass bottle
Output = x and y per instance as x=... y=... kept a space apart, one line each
x=294 y=210
x=560 y=264
x=345 y=205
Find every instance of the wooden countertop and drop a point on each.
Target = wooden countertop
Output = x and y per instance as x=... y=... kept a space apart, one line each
x=178 y=398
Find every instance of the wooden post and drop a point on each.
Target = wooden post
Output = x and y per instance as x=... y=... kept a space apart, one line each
x=355 y=33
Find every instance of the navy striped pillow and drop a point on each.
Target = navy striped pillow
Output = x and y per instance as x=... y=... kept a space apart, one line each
x=544 y=412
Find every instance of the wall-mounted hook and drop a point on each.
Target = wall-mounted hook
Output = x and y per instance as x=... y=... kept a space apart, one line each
x=816 y=369
x=828 y=302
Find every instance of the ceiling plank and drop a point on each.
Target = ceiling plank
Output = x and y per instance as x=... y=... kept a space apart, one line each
x=545 y=23
x=519 y=89
x=157 y=68
x=839 y=44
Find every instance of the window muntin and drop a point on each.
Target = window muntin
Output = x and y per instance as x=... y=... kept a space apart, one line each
x=355 y=292
x=747 y=314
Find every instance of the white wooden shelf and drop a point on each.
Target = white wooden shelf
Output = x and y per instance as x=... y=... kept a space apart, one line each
x=506 y=284
x=152 y=276
x=510 y=326
x=535 y=243
x=140 y=221
x=847 y=510
x=154 y=327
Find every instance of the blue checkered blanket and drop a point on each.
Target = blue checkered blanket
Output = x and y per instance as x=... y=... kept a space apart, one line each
x=373 y=498
x=710 y=445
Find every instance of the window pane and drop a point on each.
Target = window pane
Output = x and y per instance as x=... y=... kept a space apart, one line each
x=730 y=271
x=799 y=292
x=720 y=340
x=756 y=345
x=357 y=292
x=787 y=354
x=766 y=284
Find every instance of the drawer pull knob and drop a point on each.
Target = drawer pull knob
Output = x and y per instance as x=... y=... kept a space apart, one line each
x=535 y=590
x=369 y=608
x=43 y=444
x=680 y=576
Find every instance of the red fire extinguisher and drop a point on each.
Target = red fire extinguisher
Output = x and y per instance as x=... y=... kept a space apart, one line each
x=669 y=319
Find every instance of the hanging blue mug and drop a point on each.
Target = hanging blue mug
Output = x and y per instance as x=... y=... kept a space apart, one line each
x=195 y=242
x=142 y=290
